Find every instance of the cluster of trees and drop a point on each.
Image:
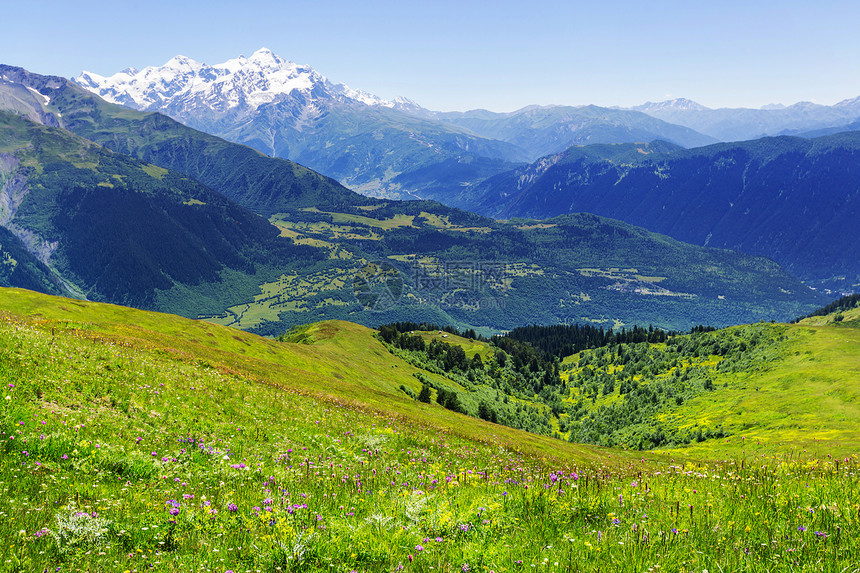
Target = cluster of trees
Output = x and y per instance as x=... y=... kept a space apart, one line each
x=565 y=339
x=447 y=358
x=520 y=384
x=654 y=379
x=407 y=327
x=845 y=303
x=483 y=387
x=517 y=367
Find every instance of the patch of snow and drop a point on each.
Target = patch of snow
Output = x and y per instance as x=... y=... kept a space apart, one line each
x=42 y=96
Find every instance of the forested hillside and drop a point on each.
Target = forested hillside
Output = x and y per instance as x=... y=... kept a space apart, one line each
x=791 y=199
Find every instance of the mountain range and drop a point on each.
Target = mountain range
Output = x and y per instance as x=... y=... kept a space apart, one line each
x=792 y=199
x=133 y=207
x=291 y=111
x=377 y=147
x=737 y=124
x=115 y=229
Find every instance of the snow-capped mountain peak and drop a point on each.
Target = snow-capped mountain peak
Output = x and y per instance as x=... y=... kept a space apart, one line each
x=266 y=56
x=680 y=104
x=182 y=63
x=183 y=85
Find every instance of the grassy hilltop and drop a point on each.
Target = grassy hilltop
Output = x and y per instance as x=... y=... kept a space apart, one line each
x=136 y=441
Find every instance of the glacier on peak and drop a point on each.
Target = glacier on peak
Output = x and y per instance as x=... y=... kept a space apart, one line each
x=183 y=83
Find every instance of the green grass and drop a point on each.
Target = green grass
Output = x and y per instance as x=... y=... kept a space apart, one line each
x=806 y=399
x=136 y=441
x=849 y=317
x=346 y=362
x=399 y=220
x=290 y=293
x=470 y=346
x=794 y=388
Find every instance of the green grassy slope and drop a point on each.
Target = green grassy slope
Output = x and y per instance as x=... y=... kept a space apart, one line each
x=343 y=362
x=844 y=312
x=132 y=440
x=808 y=395
x=760 y=387
x=708 y=394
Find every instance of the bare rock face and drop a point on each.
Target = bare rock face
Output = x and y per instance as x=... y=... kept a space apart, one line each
x=22 y=93
x=13 y=189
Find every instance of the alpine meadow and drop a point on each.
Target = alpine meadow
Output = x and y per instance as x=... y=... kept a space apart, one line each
x=506 y=309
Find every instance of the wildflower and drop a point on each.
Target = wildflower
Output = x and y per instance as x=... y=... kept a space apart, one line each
x=801 y=528
x=419 y=548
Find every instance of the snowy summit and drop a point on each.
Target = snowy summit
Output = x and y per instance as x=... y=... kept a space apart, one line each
x=183 y=85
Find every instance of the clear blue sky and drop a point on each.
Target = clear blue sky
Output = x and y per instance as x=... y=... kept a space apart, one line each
x=458 y=55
